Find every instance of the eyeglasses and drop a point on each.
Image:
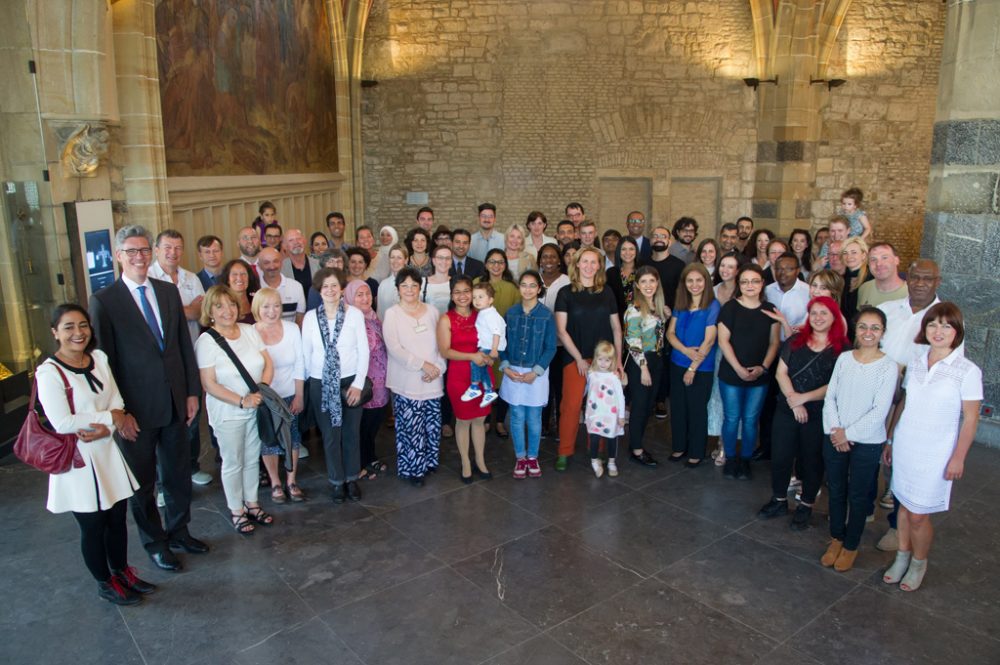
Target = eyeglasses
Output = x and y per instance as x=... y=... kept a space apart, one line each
x=495 y=262
x=132 y=253
x=751 y=282
x=864 y=327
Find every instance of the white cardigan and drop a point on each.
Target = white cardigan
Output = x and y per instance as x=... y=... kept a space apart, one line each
x=352 y=346
x=105 y=479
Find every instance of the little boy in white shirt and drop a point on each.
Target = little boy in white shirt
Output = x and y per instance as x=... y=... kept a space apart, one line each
x=492 y=333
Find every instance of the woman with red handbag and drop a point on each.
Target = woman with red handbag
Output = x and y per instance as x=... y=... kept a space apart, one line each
x=80 y=397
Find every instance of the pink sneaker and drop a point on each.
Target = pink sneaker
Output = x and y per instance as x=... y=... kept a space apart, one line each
x=521 y=469
x=534 y=470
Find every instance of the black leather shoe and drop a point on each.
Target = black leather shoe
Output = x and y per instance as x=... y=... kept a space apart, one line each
x=353 y=491
x=743 y=471
x=730 y=468
x=417 y=481
x=339 y=494
x=643 y=458
x=165 y=560
x=484 y=475
x=115 y=592
x=760 y=456
x=189 y=544
x=128 y=579
x=773 y=508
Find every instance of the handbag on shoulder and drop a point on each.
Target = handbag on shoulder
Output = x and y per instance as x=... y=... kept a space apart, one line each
x=265 y=421
x=41 y=447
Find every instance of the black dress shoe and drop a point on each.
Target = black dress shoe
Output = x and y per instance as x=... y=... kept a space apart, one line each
x=467 y=479
x=644 y=458
x=189 y=544
x=484 y=475
x=115 y=592
x=165 y=560
x=130 y=580
x=730 y=467
x=743 y=471
x=339 y=494
x=773 y=508
x=353 y=491
x=417 y=481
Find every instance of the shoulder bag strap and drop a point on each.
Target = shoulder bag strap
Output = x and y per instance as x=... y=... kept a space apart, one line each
x=68 y=388
x=224 y=345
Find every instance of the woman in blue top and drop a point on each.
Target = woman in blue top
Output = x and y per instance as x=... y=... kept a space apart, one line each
x=692 y=363
x=531 y=345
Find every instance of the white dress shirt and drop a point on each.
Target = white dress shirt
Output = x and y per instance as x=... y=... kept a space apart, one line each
x=794 y=303
x=133 y=288
x=189 y=287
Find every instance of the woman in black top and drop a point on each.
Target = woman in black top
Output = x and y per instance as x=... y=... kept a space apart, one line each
x=621 y=276
x=586 y=313
x=804 y=369
x=748 y=339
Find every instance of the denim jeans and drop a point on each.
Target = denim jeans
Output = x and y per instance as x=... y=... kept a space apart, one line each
x=522 y=417
x=848 y=478
x=740 y=404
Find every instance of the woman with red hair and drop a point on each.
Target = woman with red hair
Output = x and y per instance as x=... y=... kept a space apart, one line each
x=805 y=365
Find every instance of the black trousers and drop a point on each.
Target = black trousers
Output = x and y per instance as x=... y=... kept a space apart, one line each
x=643 y=397
x=371 y=421
x=341 y=445
x=849 y=478
x=104 y=540
x=663 y=391
x=689 y=411
x=163 y=452
x=791 y=440
x=610 y=446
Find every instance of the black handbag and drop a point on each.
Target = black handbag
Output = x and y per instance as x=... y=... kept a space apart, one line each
x=366 y=392
x=265 y=421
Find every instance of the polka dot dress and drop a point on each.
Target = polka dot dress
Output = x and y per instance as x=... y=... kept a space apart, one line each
x=605 y=405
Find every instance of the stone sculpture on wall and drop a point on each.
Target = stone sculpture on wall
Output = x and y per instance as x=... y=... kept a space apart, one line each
x=82 y=148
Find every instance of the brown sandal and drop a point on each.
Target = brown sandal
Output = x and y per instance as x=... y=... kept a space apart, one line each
x=295 y=493
x=278 y=494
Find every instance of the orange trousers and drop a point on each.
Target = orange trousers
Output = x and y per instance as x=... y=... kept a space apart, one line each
x=573 y=392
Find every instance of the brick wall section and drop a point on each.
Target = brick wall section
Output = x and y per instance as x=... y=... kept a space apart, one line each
x=529 y=104
x=523 y=104
x=878 y=127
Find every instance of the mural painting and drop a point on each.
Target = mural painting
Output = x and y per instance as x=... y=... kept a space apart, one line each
x=246 y=87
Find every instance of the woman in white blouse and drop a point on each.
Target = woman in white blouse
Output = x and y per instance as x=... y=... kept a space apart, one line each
x=436 y=289
x=95 y=493
x=388 y=295
x=858 y=399
x=283 y=342
x=933 y=434
x=536 y=233
x=232 y=407
x=335 y=347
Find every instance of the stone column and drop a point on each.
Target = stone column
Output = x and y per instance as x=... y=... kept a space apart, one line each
x=144 y=160
x=962 y=223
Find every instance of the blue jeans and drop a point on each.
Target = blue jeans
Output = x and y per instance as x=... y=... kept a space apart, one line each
x=481 y=375
x=521 y=417
x=740 y=404
x=849 y=477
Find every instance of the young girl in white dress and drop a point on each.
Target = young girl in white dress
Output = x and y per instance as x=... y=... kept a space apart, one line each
x=605 y=408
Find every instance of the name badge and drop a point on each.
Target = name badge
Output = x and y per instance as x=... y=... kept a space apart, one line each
x=419 y=328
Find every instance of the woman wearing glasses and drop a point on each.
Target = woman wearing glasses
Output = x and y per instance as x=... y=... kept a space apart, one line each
x=748 y=339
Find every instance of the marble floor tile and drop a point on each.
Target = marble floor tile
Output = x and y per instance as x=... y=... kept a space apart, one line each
x=707 y=493
x=652 y=623
x=541 y=649
x=459 y=524
x=868 y=627
x=214 y=612
x=359 y=560
x=650 y=534
x=91 y=633
x=760 y=586
x=308 y=643
x=546 y=576
x=438 y=619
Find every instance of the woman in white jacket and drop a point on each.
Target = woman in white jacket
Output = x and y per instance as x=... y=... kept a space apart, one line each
x=96 y=493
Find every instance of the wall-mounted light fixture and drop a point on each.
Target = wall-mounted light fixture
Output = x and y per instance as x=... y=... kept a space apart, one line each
x=830 y=83
x=753 y=83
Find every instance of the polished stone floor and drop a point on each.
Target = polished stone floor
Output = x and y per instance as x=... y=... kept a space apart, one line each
x=656 y=566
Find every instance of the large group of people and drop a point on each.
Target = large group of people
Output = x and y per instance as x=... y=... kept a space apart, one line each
x=814 y=353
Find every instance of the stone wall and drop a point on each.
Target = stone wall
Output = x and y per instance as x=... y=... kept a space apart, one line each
x=531 y=105
x=878 y=127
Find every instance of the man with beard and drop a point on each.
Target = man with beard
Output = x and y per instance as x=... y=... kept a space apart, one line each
x=249 y=244
x=299 y=265
x=744 y=227
x=670 y=268
x=565 y=232
x=685 y=231
x=883 y=263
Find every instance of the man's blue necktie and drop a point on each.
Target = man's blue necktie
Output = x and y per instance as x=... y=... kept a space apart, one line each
x=147 y=311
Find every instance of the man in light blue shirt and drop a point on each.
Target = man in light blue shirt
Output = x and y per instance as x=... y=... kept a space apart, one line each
x=486 y=238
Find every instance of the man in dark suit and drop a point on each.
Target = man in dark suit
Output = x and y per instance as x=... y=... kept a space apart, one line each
x=635 y=224
x=461 y=262
x=140 y=325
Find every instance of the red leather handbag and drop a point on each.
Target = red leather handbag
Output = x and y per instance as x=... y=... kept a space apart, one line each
x=43 y=448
